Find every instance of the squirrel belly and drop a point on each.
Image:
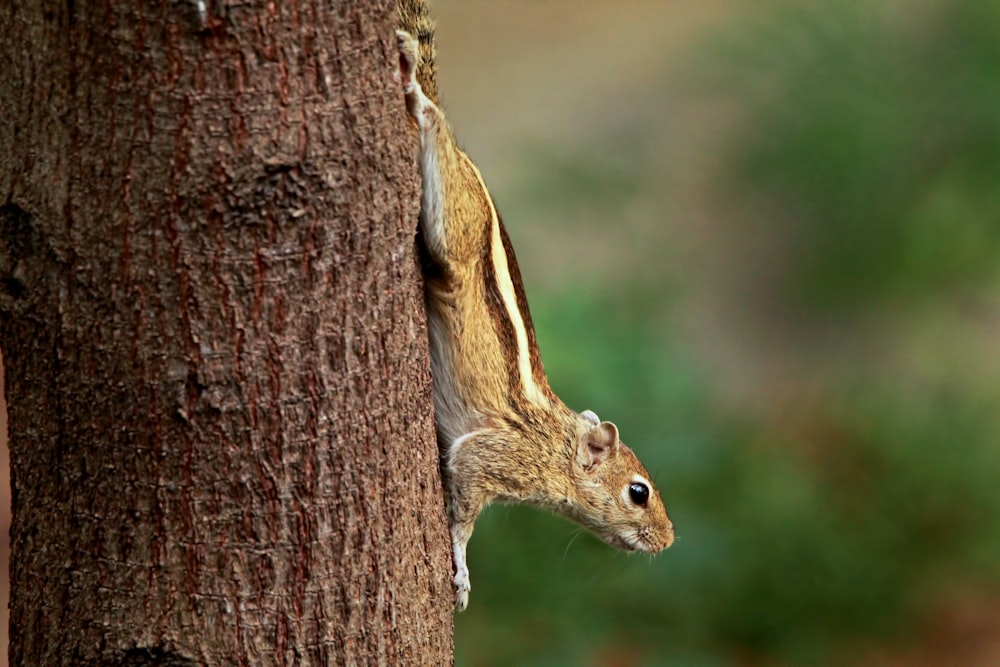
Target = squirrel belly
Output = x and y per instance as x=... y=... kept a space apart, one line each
x=504 y=435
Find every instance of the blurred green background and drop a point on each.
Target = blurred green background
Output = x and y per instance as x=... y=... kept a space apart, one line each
x=763 y=238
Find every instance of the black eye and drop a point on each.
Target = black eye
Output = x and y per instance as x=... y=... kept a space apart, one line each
x=639 y=493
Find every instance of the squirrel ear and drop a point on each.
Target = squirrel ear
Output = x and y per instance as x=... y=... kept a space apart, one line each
x=597 y=446
x=591 y=416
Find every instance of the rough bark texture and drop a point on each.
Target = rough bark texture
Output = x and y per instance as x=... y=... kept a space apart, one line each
x=219 y=396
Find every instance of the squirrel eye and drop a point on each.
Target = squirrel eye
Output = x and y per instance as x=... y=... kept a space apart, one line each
x=639 y=493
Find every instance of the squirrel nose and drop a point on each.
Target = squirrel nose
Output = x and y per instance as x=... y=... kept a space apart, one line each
x=668 y=537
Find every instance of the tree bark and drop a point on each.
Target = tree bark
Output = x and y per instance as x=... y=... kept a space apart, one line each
x=220 y=418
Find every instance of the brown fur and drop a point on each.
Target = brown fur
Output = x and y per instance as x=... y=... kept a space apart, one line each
x=504 y=435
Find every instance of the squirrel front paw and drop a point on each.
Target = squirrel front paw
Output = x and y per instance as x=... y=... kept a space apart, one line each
x=462 y=588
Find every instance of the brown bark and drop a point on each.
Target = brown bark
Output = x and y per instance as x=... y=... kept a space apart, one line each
x=219 y=396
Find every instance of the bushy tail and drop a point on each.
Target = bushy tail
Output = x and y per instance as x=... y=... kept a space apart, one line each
x=415 y=18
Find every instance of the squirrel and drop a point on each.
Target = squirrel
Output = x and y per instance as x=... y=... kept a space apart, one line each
x=503 y=434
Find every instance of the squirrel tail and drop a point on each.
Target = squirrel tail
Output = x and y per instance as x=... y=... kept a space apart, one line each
x=415 y=18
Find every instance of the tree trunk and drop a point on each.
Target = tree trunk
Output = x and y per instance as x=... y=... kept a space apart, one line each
x=221 y=427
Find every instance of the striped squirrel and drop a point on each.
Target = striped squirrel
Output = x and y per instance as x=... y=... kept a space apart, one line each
x=503 y=434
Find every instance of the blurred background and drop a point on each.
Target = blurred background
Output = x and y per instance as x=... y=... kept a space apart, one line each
x=762 y=237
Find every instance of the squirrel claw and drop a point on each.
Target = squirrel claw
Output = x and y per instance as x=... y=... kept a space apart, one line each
x=462 y=588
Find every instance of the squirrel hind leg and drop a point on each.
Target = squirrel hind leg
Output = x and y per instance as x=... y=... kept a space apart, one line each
x=409 y=59
x=420 y=107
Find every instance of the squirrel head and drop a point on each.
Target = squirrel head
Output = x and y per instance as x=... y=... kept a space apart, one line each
x=615 y=498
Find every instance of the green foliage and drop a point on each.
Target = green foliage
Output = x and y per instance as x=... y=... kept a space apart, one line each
x=882 y=145
x=870 y=147
x=788 y=544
